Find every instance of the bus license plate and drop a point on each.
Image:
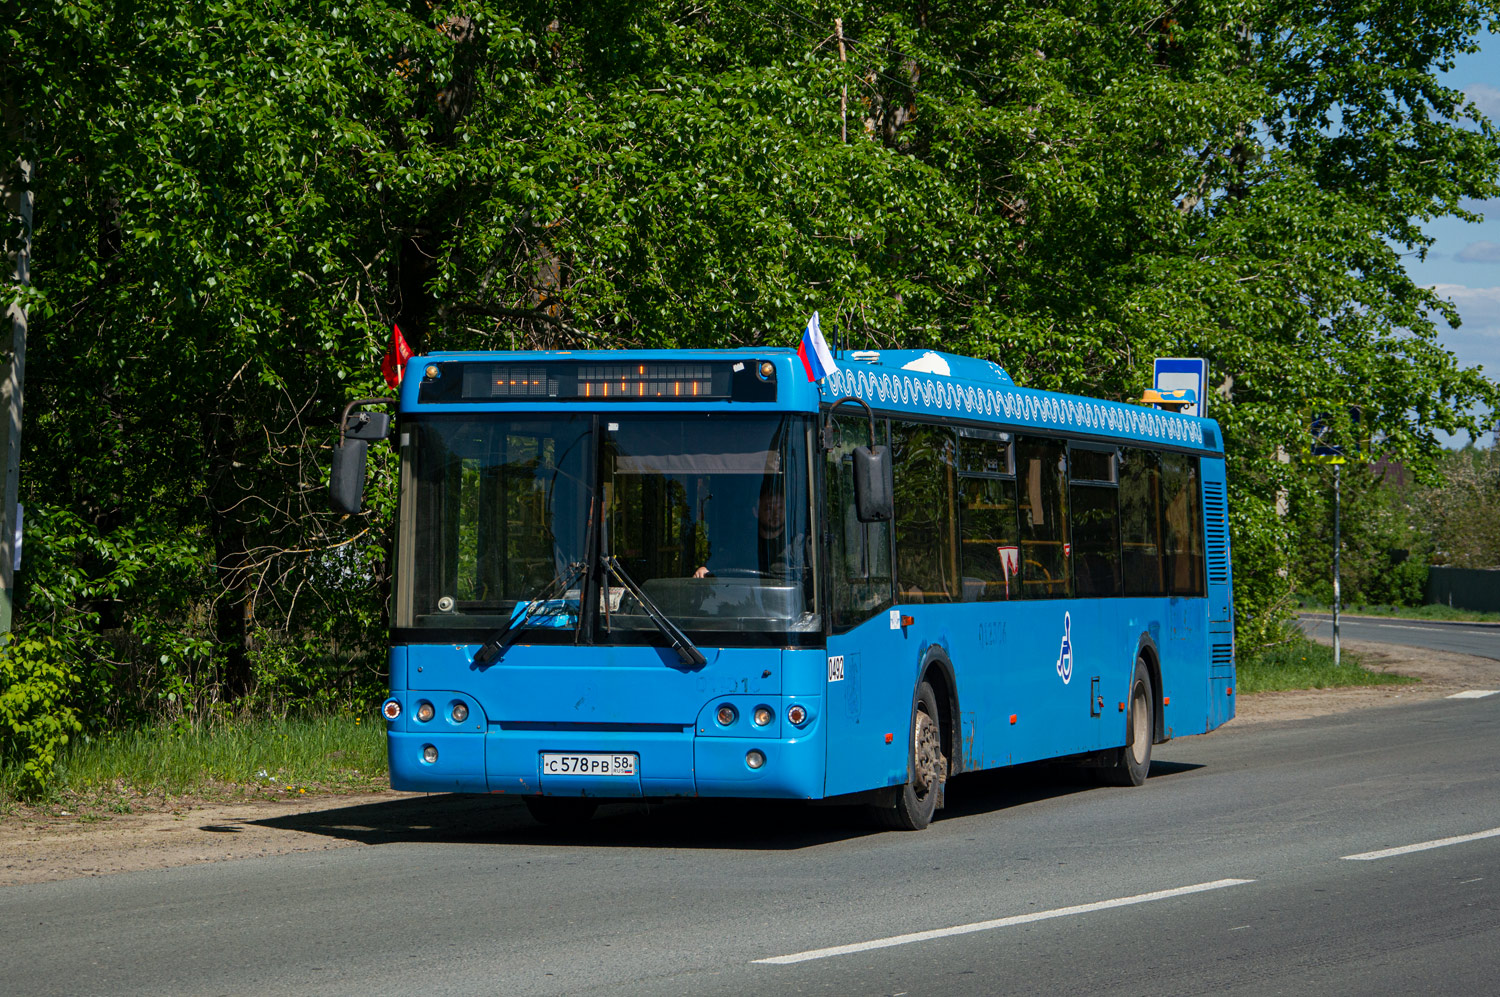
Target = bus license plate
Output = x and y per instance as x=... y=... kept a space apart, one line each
x=588 y=764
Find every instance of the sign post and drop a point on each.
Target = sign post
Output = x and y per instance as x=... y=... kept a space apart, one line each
x=1325 y=451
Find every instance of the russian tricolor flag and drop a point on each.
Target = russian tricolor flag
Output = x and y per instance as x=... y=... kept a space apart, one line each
x=817 y=358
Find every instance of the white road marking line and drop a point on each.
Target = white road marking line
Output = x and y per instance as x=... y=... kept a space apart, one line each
x=1423 y=846
x=1431 y=630
x=1474 y=693
x=999 y=922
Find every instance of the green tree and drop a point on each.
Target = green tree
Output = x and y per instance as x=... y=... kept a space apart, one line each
x=235 y=200
x=1458 y=518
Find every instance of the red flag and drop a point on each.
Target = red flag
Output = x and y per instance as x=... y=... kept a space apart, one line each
x=394 y=365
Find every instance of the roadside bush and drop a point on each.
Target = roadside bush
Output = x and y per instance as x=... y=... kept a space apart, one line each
x=36 y=718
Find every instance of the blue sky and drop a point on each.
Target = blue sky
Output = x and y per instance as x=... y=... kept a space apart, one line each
x=1464 y=261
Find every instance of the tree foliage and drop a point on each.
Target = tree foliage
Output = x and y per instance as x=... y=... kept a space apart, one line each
x=1392 y=527
x=235 y=199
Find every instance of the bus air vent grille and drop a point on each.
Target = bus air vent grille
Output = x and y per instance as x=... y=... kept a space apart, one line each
x=1216 y=531
x=1222 y=659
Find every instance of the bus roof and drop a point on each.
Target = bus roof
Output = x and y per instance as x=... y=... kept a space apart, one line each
x=916 y=382
x=966 y=389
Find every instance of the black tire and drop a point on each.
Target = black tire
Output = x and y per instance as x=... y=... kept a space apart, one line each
x=561 y=811
x=926 y=770
x=1133 y=761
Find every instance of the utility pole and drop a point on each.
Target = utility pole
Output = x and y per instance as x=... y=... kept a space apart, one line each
x=1336 y=546
x=15 y=191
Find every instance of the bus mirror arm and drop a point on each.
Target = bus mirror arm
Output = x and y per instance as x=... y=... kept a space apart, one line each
x=346 y=478
x=874 y=501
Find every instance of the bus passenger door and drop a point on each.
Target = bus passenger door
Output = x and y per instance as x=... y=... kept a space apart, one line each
x=866 y=698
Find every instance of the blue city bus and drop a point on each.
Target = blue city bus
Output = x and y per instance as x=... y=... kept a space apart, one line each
x=654 y=574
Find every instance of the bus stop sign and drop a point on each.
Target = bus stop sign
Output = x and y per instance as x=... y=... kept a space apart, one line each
x=1172 y=373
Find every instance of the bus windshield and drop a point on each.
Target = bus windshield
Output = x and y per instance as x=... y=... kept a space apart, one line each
x=705 y=515
x=495 y=509
x=708 y=515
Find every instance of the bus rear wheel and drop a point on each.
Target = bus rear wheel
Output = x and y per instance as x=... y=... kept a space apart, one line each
x=560 y=811
x=1134 y=760
x=926 y=770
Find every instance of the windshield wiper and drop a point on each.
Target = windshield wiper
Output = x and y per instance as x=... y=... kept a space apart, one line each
x=686 y=649
x=502 y=639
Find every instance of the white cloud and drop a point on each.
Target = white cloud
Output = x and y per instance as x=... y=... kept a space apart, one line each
x=1477 y=342
x=1486 y=97
x=1479 y=306
x=1479 y=252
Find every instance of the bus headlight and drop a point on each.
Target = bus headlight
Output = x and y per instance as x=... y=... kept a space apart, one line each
x=763 y=715
x=460 y=712
x=754 y=759
x=429 y=754
x=424 y=711
x=727 y=715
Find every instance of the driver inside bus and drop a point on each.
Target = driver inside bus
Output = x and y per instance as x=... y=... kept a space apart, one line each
x=773 y=552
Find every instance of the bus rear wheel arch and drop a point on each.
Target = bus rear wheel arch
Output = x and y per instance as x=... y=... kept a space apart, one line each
x=1147 y=652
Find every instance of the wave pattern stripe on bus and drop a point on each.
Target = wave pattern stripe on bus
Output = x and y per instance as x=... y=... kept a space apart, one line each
x=950 y=395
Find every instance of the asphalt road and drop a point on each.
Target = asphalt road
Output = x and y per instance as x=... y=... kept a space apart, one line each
x=1229 y=872
x=1479 y=639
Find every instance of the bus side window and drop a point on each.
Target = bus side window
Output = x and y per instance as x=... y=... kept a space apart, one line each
x=926 y=517
x=1094 y=521
x=991 y=546
x=1041 y=491
x=859 y=553
x=1140 y=521
x=1184 y=524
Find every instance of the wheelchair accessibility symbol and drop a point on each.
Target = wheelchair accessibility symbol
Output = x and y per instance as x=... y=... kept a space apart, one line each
x=1065 y=655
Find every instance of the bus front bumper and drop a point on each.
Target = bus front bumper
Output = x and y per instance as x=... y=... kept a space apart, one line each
x=681 y=762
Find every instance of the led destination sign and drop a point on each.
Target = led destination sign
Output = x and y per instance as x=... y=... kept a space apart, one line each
x=729 y=380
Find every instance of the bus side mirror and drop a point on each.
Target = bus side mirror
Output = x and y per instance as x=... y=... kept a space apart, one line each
x=873 y=499
x=346 y=482
x=346 y=479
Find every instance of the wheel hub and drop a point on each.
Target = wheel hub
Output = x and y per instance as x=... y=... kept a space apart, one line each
x=928 y=749
x=1141 y=737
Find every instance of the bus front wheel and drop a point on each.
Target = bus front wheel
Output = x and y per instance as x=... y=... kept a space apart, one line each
x=1134 y=761
x=926 y=771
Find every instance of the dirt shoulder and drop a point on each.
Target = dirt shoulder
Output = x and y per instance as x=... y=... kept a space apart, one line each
x=1441 y=673
x=38 y=847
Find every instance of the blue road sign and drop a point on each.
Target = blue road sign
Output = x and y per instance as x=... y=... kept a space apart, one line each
x=1171 y=373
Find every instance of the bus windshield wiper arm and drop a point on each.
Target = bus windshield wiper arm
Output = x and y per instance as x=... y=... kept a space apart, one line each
x=503 y=638
x=686 y=649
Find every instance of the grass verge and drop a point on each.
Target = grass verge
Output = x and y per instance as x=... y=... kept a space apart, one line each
x=1430 y=612
x=1304 y=664
x=145 y=768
